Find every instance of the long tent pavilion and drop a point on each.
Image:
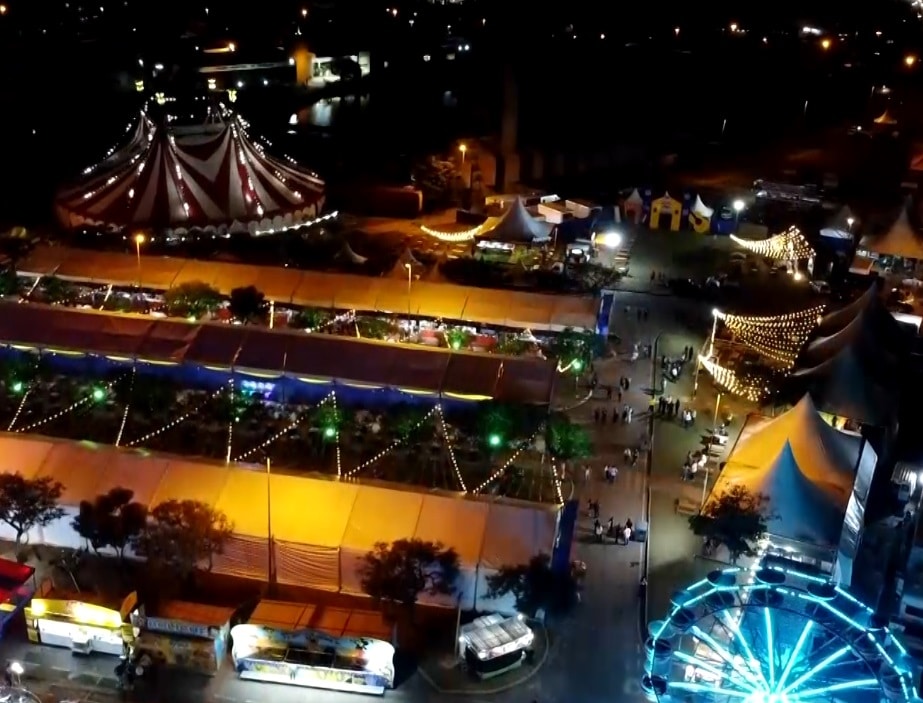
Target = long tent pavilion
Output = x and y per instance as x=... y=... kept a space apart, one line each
x=299 y=365
x=319 y=548
x=817 y=480
x=852 y=368
x=214 y=179
x=325 y=291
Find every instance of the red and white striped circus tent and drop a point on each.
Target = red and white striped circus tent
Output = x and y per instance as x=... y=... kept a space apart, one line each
x=175 y=181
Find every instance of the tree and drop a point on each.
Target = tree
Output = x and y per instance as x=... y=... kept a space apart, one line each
x=399 y=572
x=566 y=440
x=458 y=338
x=113 y=520
x=373 y=327
x=496 y=424
x=534 y=585
x=9 y=282
x=26 y=503
x=575 y=346
x=436 y=178
x=248 y=304
x=192 y=299
x=179 y=535
x=57 y=291
x=736 y=519
x=310 y=319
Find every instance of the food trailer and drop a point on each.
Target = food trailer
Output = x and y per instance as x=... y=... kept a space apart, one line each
x=494 y=644
x=81 y=622
x=189 y=636
x=315 y=646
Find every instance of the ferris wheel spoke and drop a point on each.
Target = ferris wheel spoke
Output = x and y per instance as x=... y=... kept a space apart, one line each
x=770 y=647
x=795 y=655
x=806 y=677
x=731 y=677
x=753 y=664
x=832 y=688
x=758 y=683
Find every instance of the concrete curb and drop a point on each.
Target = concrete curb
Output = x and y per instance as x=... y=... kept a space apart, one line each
x=536 y=667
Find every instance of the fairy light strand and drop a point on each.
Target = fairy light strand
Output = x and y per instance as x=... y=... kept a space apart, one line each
x=336 y=437
x=231 y=421
x=780 y=337
x=22 y=404
x=509 y=462
x=454 y=237
x=394 y=445
x=281 y=433
x=449 y=449
x=789 y=245
x=557 y=480
x=176 y=421
x=729 y=380
x=64 y=411
x=131 y=388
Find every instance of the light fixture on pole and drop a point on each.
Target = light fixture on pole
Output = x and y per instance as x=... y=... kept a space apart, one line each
x=850 y=221
x=139 y=240
x=409 y=276
x=738 y=206
x=463 y=148
x=269 y=578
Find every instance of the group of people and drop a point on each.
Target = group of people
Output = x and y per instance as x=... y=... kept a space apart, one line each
x=668 y=406
x=620 y=533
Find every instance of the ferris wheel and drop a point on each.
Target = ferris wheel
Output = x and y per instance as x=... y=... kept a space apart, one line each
x=773 y=635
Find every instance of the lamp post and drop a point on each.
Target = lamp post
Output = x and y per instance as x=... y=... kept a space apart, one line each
x=714 y=423
x=850 y=221
x=409 y=276
x=269 y=521
x=463 y=148
x=139 y=240
x=738 y=206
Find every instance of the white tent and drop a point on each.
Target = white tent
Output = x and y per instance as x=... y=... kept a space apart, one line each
x=517 y=225
x=320 y=529
x=634 y=198
x=901 y=239
x=806 y=469
x=701 y=209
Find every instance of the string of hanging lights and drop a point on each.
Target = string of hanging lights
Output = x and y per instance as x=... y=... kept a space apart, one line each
x=729 y=381
x=454 y=237
x=789 y=245
x=780 y=337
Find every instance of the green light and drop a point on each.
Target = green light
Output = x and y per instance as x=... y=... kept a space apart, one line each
x=494 y=440
x=17 y=387
x=456 y=344
x=577 y=365
x=98 y=394
x=329 y=432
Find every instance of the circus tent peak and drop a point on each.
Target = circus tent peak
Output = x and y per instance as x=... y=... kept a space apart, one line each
x=517 y=225
x=217 y=180
x=806 y=469
x=635 y=198
x=701 y=209
x=901 y=239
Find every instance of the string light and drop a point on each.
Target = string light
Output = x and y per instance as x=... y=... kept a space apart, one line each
x=557 y=481
x=789 y=245
x=173 y=423
x=280 y=434
x=131 y=388
x=336 y=437
x=450 y=449
x=779 y=338
x=452 y=237
x=64 y=411
x=728 y=380
x=231 y=422
x=394 y=445
x=349 y=316
x=22 y=404
x=499 y=472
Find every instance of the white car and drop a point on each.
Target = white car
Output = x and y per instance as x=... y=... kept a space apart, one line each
x=820 y=287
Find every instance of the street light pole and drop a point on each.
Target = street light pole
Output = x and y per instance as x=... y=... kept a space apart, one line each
x=139 y=240
x=409 y=277
x=269 y=521
x=714 y=424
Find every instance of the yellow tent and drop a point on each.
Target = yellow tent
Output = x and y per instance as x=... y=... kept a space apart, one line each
x=668 y=208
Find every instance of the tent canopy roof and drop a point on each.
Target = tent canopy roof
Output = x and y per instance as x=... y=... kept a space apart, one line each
x=804 y=466
x=342 y=514
x=845 y=386
x=177 y=179
x=701 y=209
x=327 y=291
x=339 y=359
x=901 y=239
x=518 y=225
x=873 y=331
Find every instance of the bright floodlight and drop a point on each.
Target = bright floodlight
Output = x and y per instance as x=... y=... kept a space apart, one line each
x=611 y=240
x=850 y=221
x=738 y=205
x=715 y=312
x=16 y=668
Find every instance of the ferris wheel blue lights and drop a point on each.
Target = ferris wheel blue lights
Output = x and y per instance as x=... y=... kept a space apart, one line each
x=773 y=635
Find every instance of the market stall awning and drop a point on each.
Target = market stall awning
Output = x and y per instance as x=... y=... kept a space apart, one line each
x=325 y=291
x=326 y=358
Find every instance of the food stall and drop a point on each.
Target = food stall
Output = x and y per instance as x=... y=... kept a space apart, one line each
x=190 y=636
x=494 y=644
x=17 y=584
x=315 y=646
x=81 y=622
